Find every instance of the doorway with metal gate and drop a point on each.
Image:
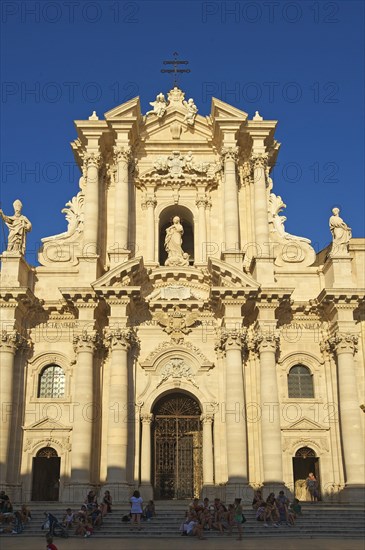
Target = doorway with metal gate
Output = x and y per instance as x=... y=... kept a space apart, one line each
x=177 y=453
x=46 y=475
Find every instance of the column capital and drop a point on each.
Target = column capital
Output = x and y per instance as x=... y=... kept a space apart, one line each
x=86 y=341
x=122 y=153
x=207 y=418
x=230 y=153
x=259 y=160
x=149 y=202
x=92 y=159
x=147 y=418
x=343 y=342
x=203 y=202
x=265 y=341
x=231 y=339
x=119 y=338
x=11 y=340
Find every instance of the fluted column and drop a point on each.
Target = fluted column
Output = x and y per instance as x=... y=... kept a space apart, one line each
x=259 y=163
x=91 y=219
x=117 y=435
x=231 y=217
x=122 y=155
x=146 y=419
x=201 y=204
x=234 y=407
x=84 y=411
x=266 y=345
x=344 y=346
x=9 y=343
x=208 y=467
x=149 y=205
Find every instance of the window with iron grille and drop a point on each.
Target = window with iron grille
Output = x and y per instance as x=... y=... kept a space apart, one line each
x=300 y=382
x=51 y=382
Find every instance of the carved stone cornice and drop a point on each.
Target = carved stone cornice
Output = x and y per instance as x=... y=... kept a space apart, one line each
x=122 y=153
x=147 y=418
x=343 y=342
x=231 y=339
x=265 y=341
x=230 y=153
x=207 y=418
x=119 y=338
x=86 y=341
x=259 y=160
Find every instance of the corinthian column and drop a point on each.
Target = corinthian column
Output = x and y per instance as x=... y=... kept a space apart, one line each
x=149 y=205
x=231 y=218
x=91 y=219
x=84 y=415
x=117 y=435
x=208 y=469
x=234 y=410
x=122 y=156
x=147 y=419
x=267 y=344
x=8 y=345
x=201 y=203
x=259 y=163
x=345 y=346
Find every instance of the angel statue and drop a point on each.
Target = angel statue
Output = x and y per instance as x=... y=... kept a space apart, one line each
x=18 y=226
x=191 y=113
x=341 y=233
x=159 y=106
x=173 y=242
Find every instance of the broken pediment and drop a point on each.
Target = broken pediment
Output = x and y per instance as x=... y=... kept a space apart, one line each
x=130 y=109
x=222 y=110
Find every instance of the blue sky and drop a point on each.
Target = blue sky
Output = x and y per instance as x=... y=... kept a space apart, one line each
x=300 y=63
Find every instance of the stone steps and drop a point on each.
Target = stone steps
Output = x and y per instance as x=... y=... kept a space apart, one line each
x=318 y=521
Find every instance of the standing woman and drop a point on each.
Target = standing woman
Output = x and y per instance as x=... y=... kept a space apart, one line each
x=312 y=486
x=136 y=509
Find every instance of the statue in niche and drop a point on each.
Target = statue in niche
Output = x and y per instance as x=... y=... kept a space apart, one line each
x=18 y=226
x=159 y=106
x=341 y=233
x=191 y=111
x=173 y=241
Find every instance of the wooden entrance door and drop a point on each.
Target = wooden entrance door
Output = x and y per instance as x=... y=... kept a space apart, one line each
x=46 y=475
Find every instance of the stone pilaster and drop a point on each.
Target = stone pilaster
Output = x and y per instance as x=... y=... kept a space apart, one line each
x=344 y=347
x=266 y=344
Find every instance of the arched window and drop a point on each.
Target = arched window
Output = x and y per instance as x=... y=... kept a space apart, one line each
x=51 y=382
x=300 y=382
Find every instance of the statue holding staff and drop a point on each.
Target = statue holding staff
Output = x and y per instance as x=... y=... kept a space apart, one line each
x=18 y=226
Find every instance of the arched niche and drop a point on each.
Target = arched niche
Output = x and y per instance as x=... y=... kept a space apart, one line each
x=186 y=220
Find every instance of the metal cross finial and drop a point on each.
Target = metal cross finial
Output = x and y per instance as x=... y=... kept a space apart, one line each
x=176 y=62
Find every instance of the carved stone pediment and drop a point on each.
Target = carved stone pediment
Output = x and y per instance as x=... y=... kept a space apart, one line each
x=47 y=424
x=192 y=353
x=306 y=425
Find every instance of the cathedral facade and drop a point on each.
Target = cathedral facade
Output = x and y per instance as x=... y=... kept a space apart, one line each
x=175 y=338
